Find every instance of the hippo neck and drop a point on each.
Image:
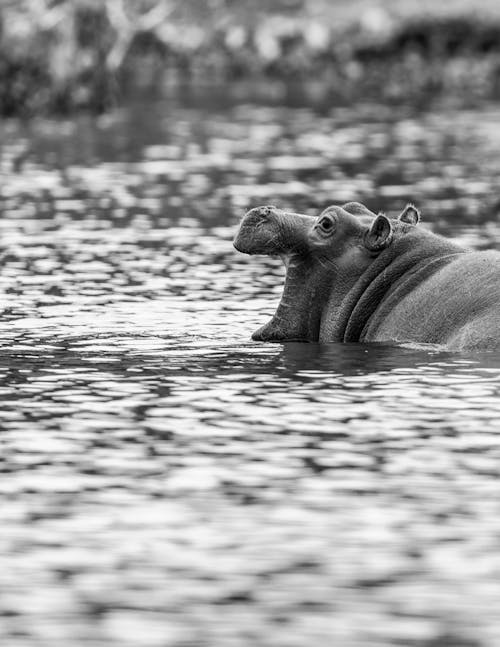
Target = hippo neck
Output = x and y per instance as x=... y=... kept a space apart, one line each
x=407 y=257
x=298 y=316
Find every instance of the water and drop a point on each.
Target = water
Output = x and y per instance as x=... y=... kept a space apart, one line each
x=167 y=482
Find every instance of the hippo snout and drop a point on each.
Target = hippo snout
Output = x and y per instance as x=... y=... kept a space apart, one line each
x=255 y=230
x=269 y=230
x=263 y=212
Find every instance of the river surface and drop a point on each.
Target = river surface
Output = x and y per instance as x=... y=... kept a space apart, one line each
x=166 y=482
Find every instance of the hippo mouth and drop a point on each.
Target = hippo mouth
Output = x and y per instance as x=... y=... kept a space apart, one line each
x=273 y=232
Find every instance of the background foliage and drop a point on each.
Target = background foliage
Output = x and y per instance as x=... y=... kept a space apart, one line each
x=66 y=54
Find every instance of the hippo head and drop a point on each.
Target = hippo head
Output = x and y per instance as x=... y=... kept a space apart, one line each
x=324 y=257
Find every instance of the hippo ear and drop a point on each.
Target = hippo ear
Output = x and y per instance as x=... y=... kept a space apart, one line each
x=410 y=215
x=379 y=236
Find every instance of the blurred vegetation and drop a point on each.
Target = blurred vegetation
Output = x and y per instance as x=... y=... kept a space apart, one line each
x=61 y=55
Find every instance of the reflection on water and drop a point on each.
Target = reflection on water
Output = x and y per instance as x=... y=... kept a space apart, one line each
x=165 y=481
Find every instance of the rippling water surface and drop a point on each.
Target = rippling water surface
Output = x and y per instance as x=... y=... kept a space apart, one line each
x=166 y=482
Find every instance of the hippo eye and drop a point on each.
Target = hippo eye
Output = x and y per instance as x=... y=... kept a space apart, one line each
x=326 y=224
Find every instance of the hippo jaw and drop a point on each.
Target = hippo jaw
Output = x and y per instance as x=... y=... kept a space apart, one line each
x=298 y=316
x=268 y=230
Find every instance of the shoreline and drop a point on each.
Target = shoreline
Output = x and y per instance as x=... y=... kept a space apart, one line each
x=86 y=55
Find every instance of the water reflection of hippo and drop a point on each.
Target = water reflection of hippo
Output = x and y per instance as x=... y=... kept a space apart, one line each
x=355 y=276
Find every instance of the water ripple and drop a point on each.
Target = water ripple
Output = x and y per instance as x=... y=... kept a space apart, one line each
x=168 y=482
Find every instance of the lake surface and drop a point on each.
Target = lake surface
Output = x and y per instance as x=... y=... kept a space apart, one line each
x=166 y=482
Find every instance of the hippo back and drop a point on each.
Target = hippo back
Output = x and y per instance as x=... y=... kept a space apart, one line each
x=457 y=306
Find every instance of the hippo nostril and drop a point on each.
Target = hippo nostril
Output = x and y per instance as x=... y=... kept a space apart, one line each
x=267 y=210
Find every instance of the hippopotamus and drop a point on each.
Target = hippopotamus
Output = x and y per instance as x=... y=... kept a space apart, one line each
x=356 y=276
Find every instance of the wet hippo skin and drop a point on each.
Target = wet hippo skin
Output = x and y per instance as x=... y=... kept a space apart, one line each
x=354 y=276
